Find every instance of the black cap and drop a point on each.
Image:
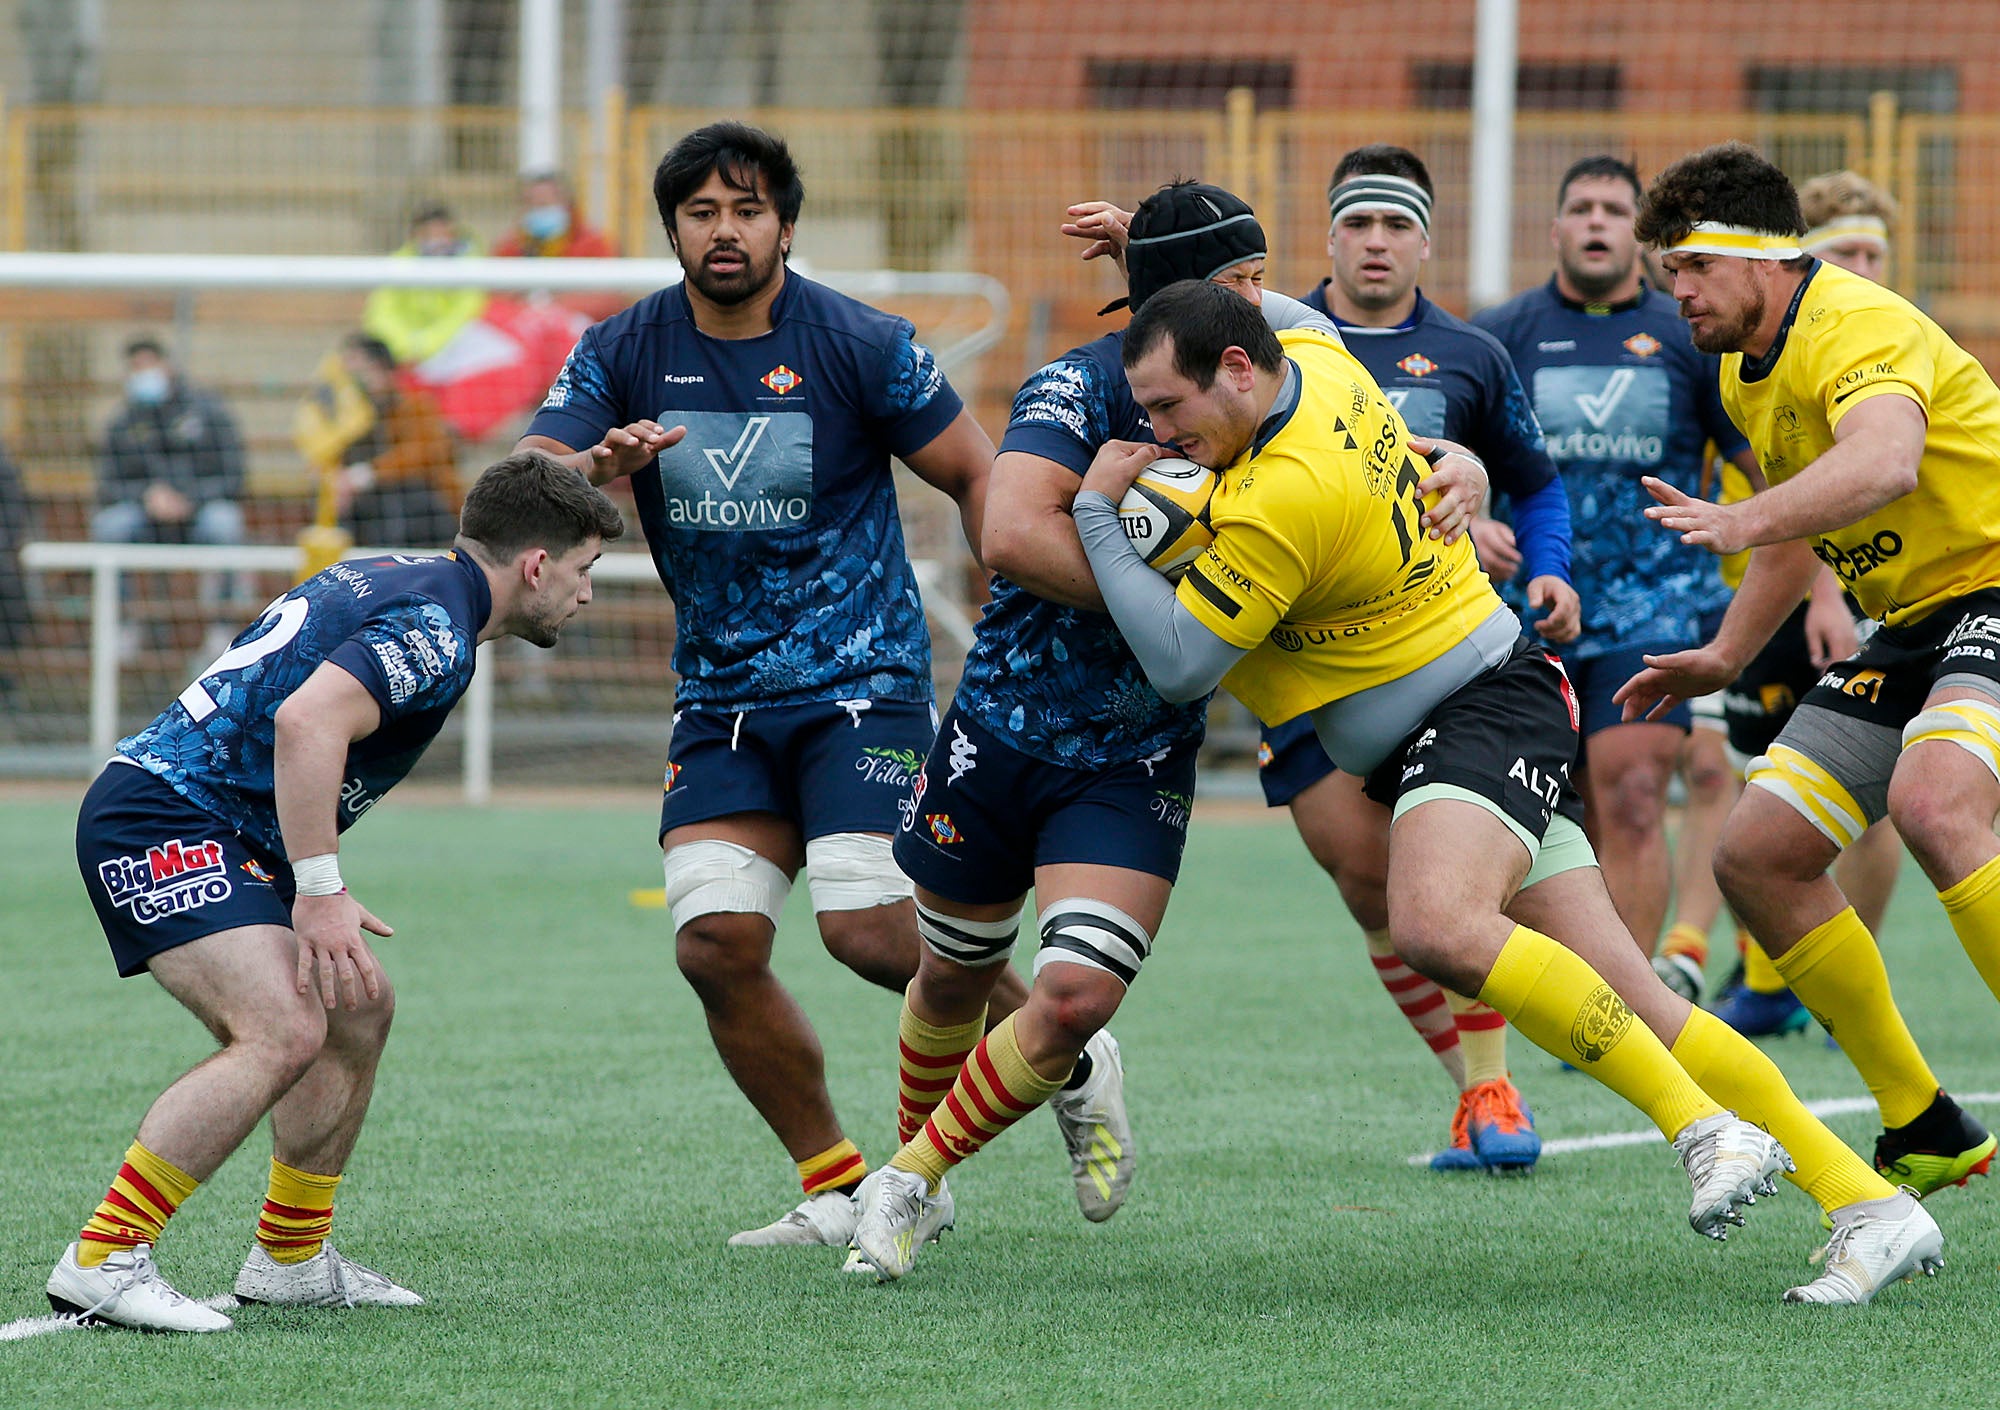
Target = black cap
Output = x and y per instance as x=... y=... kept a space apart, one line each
x=1186 y=230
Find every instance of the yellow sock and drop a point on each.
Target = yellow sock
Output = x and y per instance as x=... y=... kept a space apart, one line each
x=136 y=1208
x=1734 y=1071
x=1564 y=1007
x=834 y=1168
x=1974 y=907
x=995 y=1088
x=927 y=1062
x=1482 y=1038
x=1686 y=938
x=1837 y=972
x=298 y=1213
x=1760 y=976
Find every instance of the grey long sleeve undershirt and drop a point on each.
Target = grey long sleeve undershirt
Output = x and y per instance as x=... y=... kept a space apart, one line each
x=1182 y=658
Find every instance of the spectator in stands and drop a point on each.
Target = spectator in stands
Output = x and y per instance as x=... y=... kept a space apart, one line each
x=416 y=324
x=394 y=462
x=550 y=224
x=172 y=466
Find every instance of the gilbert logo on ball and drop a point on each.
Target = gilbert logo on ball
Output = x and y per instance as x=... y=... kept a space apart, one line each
x=1165 y=514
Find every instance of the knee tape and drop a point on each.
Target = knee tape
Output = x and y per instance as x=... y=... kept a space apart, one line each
x=709 y=876
x=1817 y=796
x=1092 y=933
x=975 y=944
x=854 y=871
x=1973 y=725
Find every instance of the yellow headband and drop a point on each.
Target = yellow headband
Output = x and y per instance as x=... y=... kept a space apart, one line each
x=1709 y=237
x=1871 y=228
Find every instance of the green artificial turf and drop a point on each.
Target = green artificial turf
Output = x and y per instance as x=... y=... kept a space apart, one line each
x=555 y=1157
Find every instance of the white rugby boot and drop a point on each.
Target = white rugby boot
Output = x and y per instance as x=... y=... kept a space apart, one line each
x=1098 y=1132
x=1875 y=1243
x=899 y=1215
x=327 y=1279
x=1730 y=1162
x=825 y=1218
x=126 y=1290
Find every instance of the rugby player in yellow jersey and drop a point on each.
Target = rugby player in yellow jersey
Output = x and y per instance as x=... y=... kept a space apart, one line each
x=1879 y=437
x=1320 y=596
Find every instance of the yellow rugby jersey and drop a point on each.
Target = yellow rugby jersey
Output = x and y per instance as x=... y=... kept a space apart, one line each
x=1319 y=566
x=1845 y=341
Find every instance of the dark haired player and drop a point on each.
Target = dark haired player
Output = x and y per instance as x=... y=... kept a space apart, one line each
x=1317 y=597
x=1620 y=392
x=210 y=849
x=1446 y=378
x=1877 y=434
x=756 y=412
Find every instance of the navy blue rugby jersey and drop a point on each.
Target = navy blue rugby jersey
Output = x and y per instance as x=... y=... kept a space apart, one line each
x=1450 y=379
x=405 y=627
x=773 y=522
x=1059 y=683
x=1621 y=391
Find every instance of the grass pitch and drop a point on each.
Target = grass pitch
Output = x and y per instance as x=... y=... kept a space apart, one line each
x=555 y=1157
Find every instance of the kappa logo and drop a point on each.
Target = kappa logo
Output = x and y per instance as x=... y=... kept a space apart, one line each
x=1642 y=345
x=1417 y=365
x=964 y=755
x=1597 y=407
x=170 y=879
x=781 y=379
x=738 y=456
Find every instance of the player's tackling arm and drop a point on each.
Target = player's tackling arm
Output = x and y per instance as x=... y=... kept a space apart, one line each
x=312 y=732
x=1029 y=537
x=958 y=460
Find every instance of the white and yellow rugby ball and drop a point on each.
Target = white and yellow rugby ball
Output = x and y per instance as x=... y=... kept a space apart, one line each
x=1165 y=514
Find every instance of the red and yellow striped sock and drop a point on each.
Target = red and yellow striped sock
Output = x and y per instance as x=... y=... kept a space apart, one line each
x=928 y=1058
x=1564 y=1007
x=995 y=1088
x=1482 y=1038
x=298 y=1213
x=1686 y=938
x=838 y=1167
x=1421 y=1002
x=137 y=1207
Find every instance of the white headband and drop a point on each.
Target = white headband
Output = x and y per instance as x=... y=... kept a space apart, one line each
x=1871 y=228
x=1710 y=237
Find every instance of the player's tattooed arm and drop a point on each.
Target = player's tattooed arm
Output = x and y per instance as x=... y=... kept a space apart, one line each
x=958 y=460
x=623 y=449
x=312 y=732
x=1029 y=537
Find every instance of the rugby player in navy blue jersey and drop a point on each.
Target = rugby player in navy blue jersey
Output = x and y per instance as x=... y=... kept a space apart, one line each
x=209 y=848
x=1621 y=393
x=756 y=412
x=1058 y=767
x=1448 y=379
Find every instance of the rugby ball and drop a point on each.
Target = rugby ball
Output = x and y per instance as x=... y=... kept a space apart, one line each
x=1165 y=514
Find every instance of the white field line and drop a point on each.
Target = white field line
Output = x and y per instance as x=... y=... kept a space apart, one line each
x=26 y=1327
x=1605 y=1140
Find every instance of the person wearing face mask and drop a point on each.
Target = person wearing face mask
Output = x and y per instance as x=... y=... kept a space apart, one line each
x=417 y=324
x=171 y=470
x=551 y=226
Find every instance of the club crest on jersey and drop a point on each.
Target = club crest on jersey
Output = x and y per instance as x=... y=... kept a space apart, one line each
x=257 y=872
x=1417 y=365
x=943 y=831
x=673 y=772
x=781 y=379
x=1642 y=345
x=174 y=877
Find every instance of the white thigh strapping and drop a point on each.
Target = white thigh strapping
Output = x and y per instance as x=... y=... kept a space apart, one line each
x=854 y=871
x=710 y=876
